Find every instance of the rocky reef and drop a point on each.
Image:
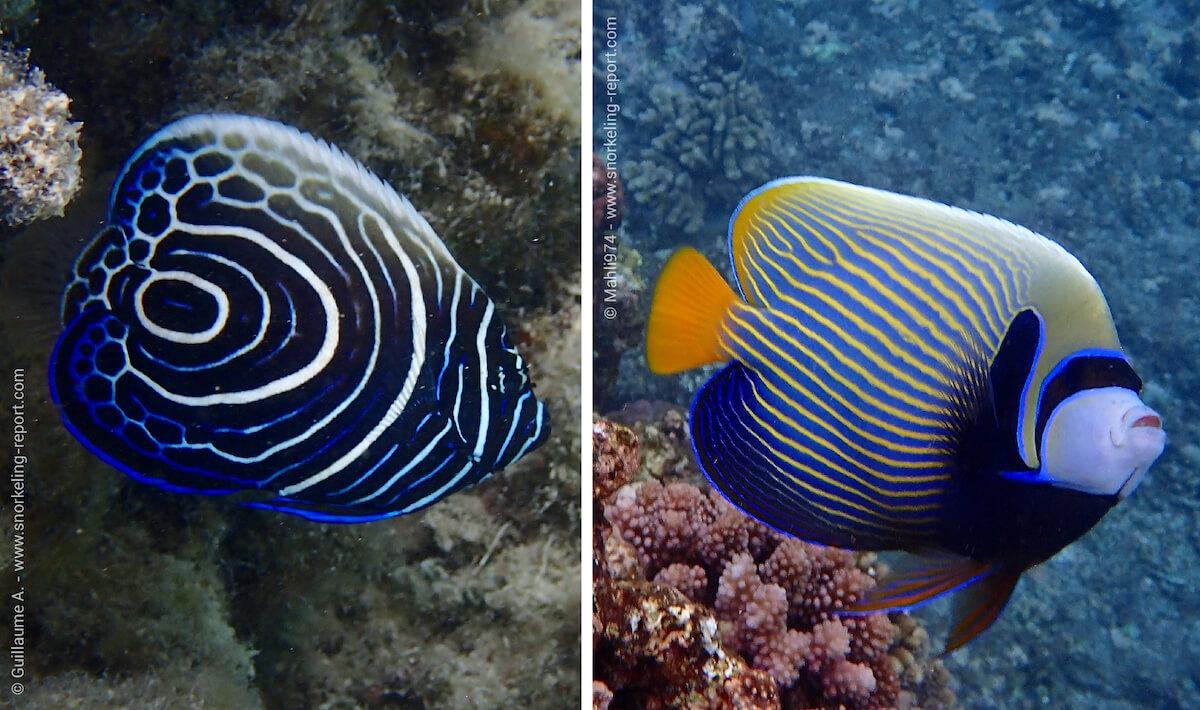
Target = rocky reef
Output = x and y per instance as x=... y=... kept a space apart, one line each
x=698 y=605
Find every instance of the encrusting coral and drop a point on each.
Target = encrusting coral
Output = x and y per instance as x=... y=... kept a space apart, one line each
x=775 y=599
x=39 y=145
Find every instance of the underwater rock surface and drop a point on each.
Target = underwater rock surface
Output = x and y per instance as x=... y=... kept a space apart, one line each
x=39 y=144
x=139 y=598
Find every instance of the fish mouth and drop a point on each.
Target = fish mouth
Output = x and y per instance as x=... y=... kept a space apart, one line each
x=1147 y=420
x=1140 y=426
x=1141 y=417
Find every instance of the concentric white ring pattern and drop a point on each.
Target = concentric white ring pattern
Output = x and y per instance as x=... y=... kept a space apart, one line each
x=261 y=312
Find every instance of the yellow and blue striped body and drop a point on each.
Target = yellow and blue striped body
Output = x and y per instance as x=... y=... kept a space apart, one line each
x=894 y=365
x=860 y=324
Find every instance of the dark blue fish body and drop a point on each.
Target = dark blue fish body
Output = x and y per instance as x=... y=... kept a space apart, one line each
x=263 y=314
x=906 y=376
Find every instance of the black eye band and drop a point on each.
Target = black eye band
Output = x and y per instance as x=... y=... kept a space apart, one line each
x=1080 y=373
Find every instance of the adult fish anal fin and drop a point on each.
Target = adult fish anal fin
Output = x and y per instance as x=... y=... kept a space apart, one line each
x=982 y=589
x=690 y=300
x=979 y=605
x=918 y=579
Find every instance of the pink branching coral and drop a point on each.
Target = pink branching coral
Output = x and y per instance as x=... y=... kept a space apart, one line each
x=653 y=646
x=776 y=598
x=728 y=593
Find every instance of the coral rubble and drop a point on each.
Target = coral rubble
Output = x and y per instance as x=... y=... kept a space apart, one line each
x=661 y=650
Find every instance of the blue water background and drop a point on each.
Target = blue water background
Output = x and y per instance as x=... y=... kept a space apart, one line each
x=1080 y=120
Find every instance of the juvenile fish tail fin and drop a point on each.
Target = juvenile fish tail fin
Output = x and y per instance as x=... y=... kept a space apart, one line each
x=689 y=301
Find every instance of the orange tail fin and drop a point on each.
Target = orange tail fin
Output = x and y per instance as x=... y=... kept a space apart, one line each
x=689 y=302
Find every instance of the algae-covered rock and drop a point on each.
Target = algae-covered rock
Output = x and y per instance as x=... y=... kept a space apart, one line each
x=144 y=598
x=39 y=144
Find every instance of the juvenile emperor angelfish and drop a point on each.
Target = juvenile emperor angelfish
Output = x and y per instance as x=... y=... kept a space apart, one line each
x=910 y=376
x=261 y=314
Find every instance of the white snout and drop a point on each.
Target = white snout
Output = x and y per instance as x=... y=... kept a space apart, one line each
x=1101 y=441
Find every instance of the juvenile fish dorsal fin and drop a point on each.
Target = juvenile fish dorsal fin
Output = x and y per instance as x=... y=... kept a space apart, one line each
x=983 y=590
x=690 y=300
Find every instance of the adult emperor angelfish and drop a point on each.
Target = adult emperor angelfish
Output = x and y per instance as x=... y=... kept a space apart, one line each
x=910 y=376
x=262 y=315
